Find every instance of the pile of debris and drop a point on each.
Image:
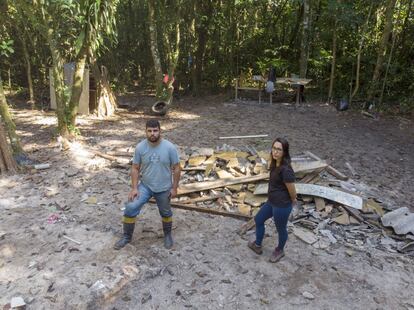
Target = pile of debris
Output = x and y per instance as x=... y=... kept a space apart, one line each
x=332 y=208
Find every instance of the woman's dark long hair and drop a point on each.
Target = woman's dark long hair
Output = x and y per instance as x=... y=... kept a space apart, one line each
x=286 y=156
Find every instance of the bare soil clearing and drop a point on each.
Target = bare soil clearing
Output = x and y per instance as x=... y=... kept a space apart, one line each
x=210 y=266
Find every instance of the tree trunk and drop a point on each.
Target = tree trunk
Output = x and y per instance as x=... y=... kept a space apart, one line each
x=77 y=87
x=7 y=162
x=304 y=45
x=201 y=27
x=8 y=121
x=360 y=47
x=382 y=49
x=61 y=97
x=28 y=70
x=384 y=82
x=154 y=49
x=332 y=78
x=293 y=38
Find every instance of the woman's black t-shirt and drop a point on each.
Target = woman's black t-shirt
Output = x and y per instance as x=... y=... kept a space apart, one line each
x=278 y=194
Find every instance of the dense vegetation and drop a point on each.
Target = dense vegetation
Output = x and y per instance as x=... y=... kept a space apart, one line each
x=359 y=49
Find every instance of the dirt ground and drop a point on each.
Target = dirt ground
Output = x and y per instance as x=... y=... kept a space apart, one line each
x=210 y=267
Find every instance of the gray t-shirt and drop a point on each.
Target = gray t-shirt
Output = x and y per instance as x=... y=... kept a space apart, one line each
x=155 y=164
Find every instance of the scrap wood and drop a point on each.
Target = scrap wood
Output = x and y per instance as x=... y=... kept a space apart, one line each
x=353 y=172
x=202 y=199
x=313 y=167
x=189 y=207
x=354 y=213
x=311 y=177
x=319 y=203
x=202 y=186
x=329 y=168
x=209 y=211
x=195 y=168
x=308 y=166
x=246 y=227
x=341 y=197
x=119 y=153
x=112 y=158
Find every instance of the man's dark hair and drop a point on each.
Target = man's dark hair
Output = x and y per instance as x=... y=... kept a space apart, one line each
x=152 y=123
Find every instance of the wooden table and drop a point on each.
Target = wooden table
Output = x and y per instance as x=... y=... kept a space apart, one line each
x=297 y=83
x=259 y=81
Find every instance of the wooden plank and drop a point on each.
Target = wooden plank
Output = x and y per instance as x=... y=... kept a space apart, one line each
x=246 y=227
x=354 y=213
x=347 y=199
x=202 y=186
x=319 y=203
x=112 y=158
x=308 y=166
x=197 y=168
x=184 y=206
x=329 y=168
x=311 y=177
x=298 y=167
x=285 y=80
x=201 y=199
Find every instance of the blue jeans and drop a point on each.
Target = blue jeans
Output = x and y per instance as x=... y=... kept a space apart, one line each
x=133 y=208
x=280 y=216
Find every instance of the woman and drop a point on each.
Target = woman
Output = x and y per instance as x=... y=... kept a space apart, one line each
x=281 y=198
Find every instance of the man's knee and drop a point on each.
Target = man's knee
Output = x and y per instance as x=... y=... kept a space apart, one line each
x=132 y=208
x=166 y=213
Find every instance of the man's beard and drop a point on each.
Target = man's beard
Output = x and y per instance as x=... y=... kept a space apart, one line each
x=153 y=138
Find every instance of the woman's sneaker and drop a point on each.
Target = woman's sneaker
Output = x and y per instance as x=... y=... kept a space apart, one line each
x=255 y=248
x=276 y=255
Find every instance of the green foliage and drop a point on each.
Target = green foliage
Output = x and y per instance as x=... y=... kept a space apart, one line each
x=6 y=47
x=223 y=38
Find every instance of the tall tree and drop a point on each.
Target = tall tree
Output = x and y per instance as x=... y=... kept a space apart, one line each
x=154 y=48
x=8 y=121
x=96 y=22
x=382 y=49
x=304 y=45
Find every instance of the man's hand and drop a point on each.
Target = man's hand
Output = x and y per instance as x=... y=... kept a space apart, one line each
x=173 y=193
x=132 y=194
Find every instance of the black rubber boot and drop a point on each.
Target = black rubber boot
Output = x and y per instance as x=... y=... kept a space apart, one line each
x=168 y=240
x=126 y=238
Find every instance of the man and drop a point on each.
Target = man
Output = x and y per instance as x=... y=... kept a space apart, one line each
x=155 y=173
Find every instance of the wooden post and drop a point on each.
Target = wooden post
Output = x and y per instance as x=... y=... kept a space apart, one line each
x=237 y=85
